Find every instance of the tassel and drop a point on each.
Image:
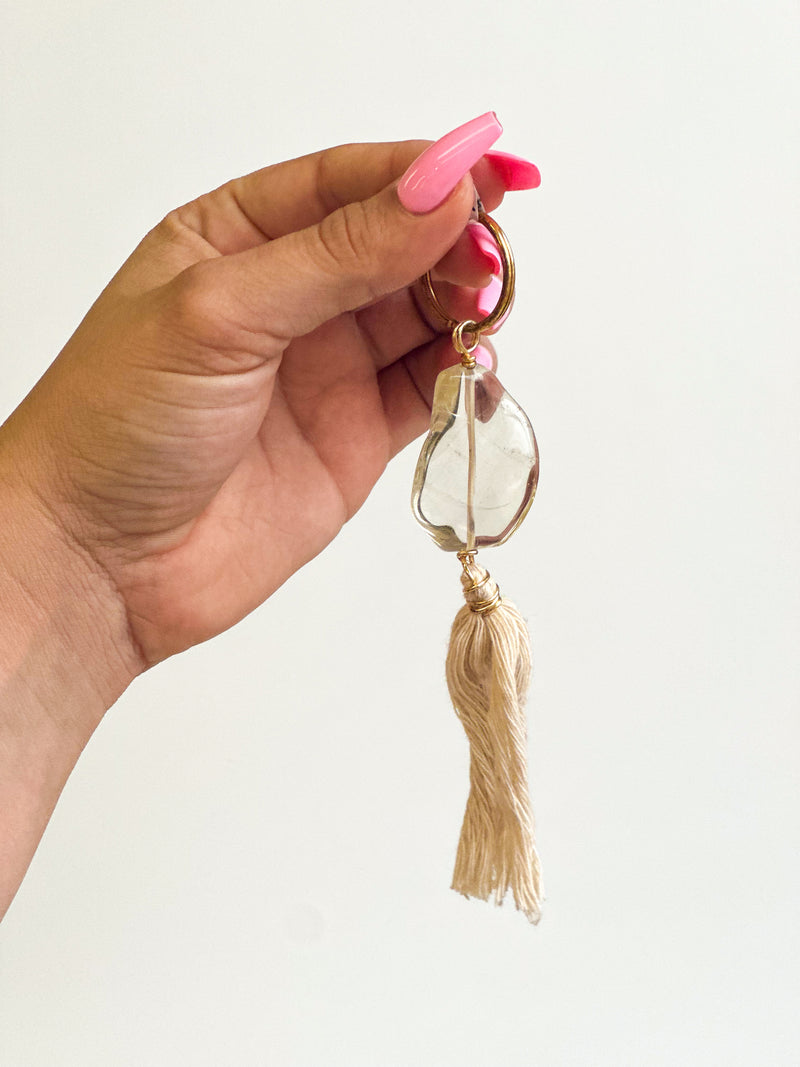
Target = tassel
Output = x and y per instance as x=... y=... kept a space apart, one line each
x=488 y=672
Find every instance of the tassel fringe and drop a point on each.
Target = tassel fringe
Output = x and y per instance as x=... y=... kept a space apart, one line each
x=488 y=673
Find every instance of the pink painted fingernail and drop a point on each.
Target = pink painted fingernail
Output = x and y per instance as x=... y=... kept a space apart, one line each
x=434 y=175
x=489 y=296
x=483 y=356
x=515 y=172
x=486 y=245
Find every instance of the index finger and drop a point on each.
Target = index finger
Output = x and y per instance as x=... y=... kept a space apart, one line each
x=290 y=196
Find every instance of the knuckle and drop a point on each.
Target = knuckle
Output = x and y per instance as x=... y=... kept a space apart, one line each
x=348 y=241
x=343 y=236
x=330 y=164
x=194 y=303
x=172 y=225
x=177 y=223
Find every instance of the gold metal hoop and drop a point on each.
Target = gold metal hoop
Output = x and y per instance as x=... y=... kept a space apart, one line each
x=506 y=298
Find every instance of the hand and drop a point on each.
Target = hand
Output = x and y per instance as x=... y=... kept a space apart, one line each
x=235 y=392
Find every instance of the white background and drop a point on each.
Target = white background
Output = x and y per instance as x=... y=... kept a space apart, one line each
x=250 y=864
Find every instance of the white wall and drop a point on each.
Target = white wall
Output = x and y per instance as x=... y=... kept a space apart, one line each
x=250 y=864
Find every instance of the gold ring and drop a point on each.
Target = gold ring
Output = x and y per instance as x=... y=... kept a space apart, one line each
x=506 y=298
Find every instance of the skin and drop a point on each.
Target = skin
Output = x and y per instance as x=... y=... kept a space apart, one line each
x=224 y=408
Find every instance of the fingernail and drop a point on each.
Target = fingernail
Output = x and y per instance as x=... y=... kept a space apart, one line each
x=515 y=172
x=489 y=296
x=486 y=245
x=483 y=356
x=434 y=175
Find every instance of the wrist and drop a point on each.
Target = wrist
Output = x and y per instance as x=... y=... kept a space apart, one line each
x=66 y=646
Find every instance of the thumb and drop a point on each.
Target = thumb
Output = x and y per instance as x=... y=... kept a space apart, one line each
x=360 y=252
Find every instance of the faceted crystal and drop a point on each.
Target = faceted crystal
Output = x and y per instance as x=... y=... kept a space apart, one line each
x=473 y=487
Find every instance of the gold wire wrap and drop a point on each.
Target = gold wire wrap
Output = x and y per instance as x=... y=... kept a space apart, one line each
x=475 y=577
x=459 y=344
x=505 y=300
x=483 y=607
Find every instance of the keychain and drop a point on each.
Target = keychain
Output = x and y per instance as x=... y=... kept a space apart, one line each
x=474 y=484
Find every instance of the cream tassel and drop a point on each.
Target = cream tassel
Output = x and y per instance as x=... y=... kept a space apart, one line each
x=488 y=672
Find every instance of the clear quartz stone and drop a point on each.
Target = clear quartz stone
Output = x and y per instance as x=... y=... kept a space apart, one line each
x=473 y=488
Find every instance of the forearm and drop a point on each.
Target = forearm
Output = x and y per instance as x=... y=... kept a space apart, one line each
x=65 y=657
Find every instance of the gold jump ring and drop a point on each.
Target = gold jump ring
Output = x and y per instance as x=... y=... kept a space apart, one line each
x=506 y=298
